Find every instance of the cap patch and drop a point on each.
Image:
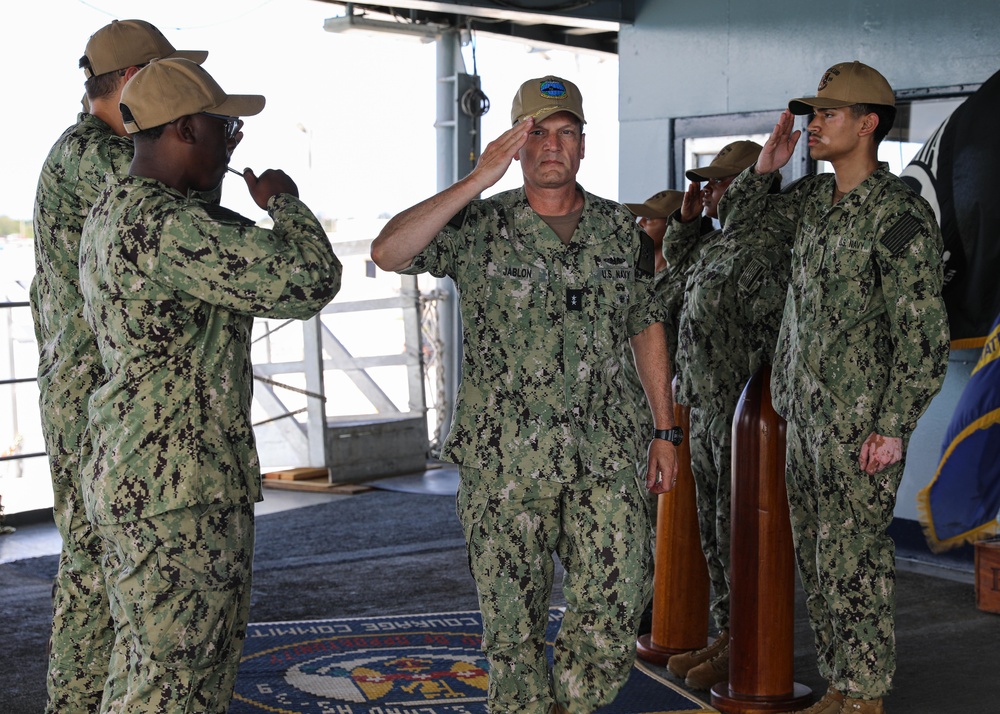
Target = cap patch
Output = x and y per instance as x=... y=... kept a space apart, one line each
x=827 y=77
x=543 y=96
x=553 y=90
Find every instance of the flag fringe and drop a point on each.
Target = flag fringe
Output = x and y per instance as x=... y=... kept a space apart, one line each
x=986 y=530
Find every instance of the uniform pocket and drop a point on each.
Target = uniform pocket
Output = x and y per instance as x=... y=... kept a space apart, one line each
x=848 y=280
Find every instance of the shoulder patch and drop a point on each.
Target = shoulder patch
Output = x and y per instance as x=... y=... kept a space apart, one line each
x=646 y=264
x=900 y=234
x=459 y=218
x=752 y=274
x=224 y=215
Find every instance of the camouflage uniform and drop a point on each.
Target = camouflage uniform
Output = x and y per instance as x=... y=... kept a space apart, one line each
x=170 y=288
x=634 y=389
x=69 y=368
x=733 y=300
x=863 y=347
x=635 y=392
x=547 y=443
x=669 y=285
x=682 y=244
x=680 y=251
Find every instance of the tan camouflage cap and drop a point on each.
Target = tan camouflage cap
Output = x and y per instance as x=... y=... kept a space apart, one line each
x=168 y=89
x=129 y=43
x=659 y=205
x=845 y=84
x=544 y=96
x=732 y=159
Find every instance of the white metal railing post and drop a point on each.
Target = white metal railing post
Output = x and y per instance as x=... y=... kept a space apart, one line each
x=312 y=352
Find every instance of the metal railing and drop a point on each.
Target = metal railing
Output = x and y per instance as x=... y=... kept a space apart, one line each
x=8 y=306
x=299 y=372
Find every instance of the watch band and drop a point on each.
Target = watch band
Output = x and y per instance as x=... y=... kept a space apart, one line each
x=674 y=435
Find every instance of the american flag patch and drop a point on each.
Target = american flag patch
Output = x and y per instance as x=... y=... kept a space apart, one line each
x=751 y=275
x=899 y=236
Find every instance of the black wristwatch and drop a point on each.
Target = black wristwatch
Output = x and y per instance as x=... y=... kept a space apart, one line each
x=675 y=436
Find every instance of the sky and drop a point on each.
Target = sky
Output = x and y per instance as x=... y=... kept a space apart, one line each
x=350 y=117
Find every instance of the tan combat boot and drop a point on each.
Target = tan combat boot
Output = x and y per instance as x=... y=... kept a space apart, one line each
x=829 y=704
x=707 y=674
x=862 y=706
x=681 y=664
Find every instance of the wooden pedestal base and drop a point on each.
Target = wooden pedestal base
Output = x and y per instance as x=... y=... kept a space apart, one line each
x=649 y=651
x=731 y=702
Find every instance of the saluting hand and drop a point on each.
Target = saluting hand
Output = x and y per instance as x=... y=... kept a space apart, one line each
x=495 y=160
x=270 y=183
x=691 y=205
x=779 y=146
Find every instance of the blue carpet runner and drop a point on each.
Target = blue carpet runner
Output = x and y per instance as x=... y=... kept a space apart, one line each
x=406 y=664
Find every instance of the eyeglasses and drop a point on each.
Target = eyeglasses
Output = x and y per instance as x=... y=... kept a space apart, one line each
x=232 y=124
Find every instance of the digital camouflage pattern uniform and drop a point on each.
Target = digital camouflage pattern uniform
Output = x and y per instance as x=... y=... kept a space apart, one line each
x=634 y=388
x=682 y=244
x=547 y=443
x=69 y=368
x=732 y=308
x=669 y=283
x=171 y=286
x=863 y=348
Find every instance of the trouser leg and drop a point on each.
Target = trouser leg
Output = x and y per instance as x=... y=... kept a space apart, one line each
x=182 y=590
x=711 y=456
x=800 y=483
x=602 y=534
x=605 y=551
x=82 y=630
x=841 y=540
x=511 y=534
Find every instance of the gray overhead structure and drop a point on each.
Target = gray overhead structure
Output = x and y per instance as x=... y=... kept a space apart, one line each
x=584 y=25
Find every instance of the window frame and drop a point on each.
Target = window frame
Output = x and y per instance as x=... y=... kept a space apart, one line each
x=762 y=122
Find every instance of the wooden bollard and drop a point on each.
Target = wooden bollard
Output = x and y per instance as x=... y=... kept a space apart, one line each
x=762 y=570
x=680 y=579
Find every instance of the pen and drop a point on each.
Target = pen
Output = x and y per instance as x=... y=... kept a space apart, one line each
x=230 y=168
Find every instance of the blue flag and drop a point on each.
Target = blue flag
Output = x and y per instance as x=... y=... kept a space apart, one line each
x=960 y=505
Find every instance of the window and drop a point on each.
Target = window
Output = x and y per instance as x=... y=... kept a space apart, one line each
x=919 y=113
x=698 y=139
x=915 y=122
